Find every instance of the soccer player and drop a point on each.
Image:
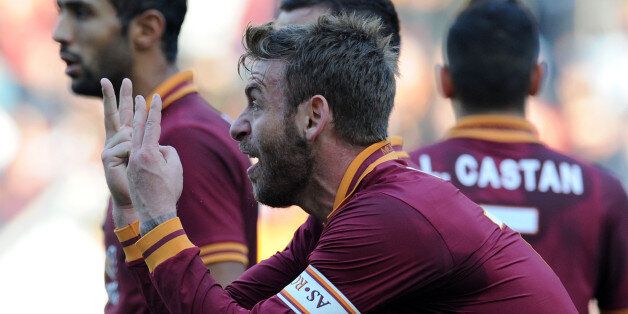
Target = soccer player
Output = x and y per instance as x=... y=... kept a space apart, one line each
x=381 y=236
x=138 y=39
x=574 y=215
x=299 y=12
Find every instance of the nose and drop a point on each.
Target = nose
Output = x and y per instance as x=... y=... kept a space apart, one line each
x=240 y=128
x=62 y=32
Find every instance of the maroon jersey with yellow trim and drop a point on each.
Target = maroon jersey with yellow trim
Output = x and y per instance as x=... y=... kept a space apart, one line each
x=216 y=207
x=573 y=214
x=398 y=240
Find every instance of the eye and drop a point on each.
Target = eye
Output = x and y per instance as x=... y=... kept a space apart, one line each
x=81 y=12
x=254 y=104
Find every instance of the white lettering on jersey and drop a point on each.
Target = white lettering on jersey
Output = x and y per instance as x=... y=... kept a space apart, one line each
x=488 y=174
x=530 y=174
x=425 y=163
x=511 y=177
x=524 y=220
x=529 y=167
x=549 y=178
x=311 y=292
x=467 y=170
x=571 y=178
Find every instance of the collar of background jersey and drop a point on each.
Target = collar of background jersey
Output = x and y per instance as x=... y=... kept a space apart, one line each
x=359 y=168
x=496 y=128
x=174 y=88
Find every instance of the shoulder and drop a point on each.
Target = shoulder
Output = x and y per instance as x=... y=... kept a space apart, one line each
x=379 y=221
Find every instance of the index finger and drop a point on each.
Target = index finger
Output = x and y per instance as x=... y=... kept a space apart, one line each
x=153 y=123
x=112 y=121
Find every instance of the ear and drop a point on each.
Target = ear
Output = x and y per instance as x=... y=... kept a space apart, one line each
x=536 y=79
x=147 y=29
x=443 y=81
x=313 y=116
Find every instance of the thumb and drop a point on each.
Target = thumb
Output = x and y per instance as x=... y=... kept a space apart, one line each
x=170 y=154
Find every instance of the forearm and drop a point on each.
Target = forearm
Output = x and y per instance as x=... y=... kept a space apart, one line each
x=181 y=278
x=128 y=236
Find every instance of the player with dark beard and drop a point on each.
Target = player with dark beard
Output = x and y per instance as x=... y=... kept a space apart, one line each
x=381 y=236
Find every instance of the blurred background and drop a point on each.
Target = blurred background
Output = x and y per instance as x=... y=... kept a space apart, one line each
x=52 y=190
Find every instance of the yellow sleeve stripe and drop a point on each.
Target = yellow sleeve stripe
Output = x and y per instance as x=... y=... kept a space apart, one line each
x=161 y=231
x=224 y=246
x=225 y=257
x=132 y=253
x=128 y=232
x=168 y=250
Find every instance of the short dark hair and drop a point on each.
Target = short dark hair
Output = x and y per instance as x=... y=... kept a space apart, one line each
x=342 y=57
x=492 y=49
x=173 y=11
x=383 y=9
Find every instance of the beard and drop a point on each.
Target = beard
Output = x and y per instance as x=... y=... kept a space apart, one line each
x=284 y=169
x=113 y=62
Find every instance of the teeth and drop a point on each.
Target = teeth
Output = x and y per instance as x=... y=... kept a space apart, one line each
x=254 y=160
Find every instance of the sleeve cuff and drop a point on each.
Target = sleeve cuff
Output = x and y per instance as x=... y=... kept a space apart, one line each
x=128 y=236
x=163 y=242
x=224 y=252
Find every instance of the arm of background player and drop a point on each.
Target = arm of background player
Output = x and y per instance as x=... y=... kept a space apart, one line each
x=613 y=292
x=211 y=201
x=358 y=258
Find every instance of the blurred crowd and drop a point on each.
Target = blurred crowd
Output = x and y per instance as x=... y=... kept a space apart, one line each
x=52 y=192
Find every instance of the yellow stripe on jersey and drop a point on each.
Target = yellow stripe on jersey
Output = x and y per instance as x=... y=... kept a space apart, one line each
x=225 y=257
x=168 y=250
x=224 y=246
x=128 y=232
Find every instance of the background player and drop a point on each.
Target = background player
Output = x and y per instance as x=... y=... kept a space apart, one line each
x=378 y=236
x=138 y=39
x=573 y=214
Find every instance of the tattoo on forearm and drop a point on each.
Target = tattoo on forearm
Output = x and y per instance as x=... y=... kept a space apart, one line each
x=151 y=223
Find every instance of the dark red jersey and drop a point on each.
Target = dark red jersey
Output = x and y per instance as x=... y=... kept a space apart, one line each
x=574 y=215
x=398 y=240
x=217 y=206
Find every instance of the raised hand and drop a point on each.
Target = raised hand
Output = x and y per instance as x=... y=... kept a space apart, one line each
x=155 y=172
x=118 y=131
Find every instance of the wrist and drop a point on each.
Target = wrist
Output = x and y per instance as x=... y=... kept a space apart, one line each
x=148 y=223
x=123 y=215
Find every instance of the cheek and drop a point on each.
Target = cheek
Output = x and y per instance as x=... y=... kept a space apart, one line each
x=96 y=40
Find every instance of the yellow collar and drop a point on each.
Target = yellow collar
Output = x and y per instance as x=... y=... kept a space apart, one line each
x=496 y=128
x=361 y=166
x=174 y=88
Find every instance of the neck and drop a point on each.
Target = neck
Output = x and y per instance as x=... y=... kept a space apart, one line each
x=462 y=111
x=149 y=73
x=333 y=159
